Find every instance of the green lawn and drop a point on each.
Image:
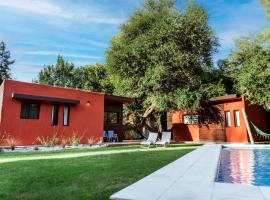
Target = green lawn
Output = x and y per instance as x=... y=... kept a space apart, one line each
x=90 y=177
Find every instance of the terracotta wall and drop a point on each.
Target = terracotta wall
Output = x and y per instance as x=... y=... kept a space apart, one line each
x=86 y=117
x=233 y=133
x=183 y=132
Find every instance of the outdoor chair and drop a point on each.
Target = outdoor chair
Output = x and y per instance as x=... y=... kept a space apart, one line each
x=111 y=136
x=105 y=136
x=165 y=139
x=152 y=138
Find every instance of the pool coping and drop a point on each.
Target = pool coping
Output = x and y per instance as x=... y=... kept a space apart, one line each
x=192 y=177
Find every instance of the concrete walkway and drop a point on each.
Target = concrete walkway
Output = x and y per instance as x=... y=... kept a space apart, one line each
x=82 y=154
x=191 y=177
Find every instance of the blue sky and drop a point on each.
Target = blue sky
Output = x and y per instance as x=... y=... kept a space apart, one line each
x=36 y=31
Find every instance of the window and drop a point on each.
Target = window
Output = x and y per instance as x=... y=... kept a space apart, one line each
x=30 y=110
x=66 y=115
x=55 y=109
x=191 y=119
x=111 y=117
x=228 y=122
x=236 y=118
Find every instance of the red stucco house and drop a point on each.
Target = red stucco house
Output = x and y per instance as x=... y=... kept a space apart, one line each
x=233 y=128
x=30 y=110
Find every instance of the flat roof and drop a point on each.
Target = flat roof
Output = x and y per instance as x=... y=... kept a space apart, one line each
x=27 y=97
x=113 y=98
x=226 y=98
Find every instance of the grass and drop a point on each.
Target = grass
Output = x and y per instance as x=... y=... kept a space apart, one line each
x=71 y=151
x=95 y=177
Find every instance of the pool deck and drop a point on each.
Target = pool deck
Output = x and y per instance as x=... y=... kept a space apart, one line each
x=191 y=177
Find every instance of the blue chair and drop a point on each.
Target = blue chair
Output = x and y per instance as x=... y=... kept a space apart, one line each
x=105 y=136
x=111 y=135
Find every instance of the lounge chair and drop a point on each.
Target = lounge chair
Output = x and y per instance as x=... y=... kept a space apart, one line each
x=165 y=139
x=152 y=138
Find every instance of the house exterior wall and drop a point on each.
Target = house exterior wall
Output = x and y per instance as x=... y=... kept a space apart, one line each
x=86 y=118
x=181 y=131
x=218 y=132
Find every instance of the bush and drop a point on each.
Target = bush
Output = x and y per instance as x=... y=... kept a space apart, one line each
x=48 y=141
x=75 y=140
x=100 y=141
x=91 y=141
x=64 y=142
x=12 y=142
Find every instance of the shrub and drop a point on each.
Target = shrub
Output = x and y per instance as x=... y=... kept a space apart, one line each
x=91 y=141
x=48 y=141
x=64 y=142
x=100 y=141
x=12 y=142
x=3 y=136
x=75 y=139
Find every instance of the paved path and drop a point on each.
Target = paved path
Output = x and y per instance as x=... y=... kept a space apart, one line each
x=82 y=154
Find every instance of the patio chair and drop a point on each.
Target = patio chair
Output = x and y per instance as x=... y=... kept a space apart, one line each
x=165 y=139
x=105 y=136
x=152 y=138
x=111 y=135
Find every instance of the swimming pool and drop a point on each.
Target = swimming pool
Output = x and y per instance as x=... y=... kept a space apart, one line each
x=244 y=166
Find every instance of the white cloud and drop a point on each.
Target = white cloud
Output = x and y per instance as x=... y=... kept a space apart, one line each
x=54 y=53
x=50 y=9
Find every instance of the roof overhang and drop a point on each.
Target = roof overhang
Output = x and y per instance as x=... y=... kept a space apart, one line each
x=27 y=97
x=223 y=99
x=117 y=99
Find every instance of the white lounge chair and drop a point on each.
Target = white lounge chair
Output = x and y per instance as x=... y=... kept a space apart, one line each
x=165 y=139
x=152 y=138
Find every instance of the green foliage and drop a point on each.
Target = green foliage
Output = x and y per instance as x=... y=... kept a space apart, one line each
x=60 y=74
x=249 y=66
x=5 y=62
x=162 y=55
x=266 y=5
x=64 y=74
x=93 y=78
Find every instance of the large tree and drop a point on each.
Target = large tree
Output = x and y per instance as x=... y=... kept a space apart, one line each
x=93 y=78
x=90 y=77
x=249 y=65
x=162 y=57
x=5 y=62
x=60 y=74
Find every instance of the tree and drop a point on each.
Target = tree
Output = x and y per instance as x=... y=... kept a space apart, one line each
x=266 y=5
x=90 y=77
x=5 y=62
x=161 y=57
x=59 y=75
x=249 y=66
x=93 y=78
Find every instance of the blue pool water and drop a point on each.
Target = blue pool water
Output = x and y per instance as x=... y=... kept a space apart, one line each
x=244 y=166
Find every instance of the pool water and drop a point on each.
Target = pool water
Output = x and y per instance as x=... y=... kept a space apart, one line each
x=244 y=166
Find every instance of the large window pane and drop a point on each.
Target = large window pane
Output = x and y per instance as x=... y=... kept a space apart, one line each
x=66 y=115
x=30 y=110
x=111 y=117
x=55 y=110
x=236 y=118
x=228 y=121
